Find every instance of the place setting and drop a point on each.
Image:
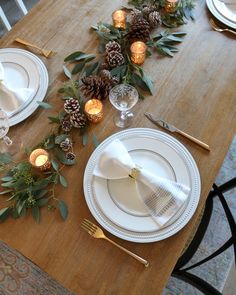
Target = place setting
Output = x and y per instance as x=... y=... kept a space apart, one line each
x=24 y=83
x=225 y=12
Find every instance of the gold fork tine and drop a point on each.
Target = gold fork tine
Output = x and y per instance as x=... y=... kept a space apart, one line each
x=97 y=232
x=218 y=29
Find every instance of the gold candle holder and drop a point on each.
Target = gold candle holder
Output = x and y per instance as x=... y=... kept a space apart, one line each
x=171 y=5
x=94 y=110
x=39 y=159
x=138 y=52
x=119 y=19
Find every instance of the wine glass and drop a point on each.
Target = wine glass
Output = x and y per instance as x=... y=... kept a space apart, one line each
x=4 y=128
x=123 y=97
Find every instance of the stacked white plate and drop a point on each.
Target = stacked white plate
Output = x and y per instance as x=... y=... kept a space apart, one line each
x=224 y=11
x=24 y=70
x=114 y=203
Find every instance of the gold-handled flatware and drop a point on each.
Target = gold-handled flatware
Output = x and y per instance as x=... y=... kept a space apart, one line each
x=218 y=29
x=96 y=232
x=172 y=128
x=45 y=52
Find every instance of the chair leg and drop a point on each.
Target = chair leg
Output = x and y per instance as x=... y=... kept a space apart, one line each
x=21 y=6
x=4 y=20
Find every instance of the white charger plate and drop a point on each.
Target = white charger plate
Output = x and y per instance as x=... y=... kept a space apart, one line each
x=114 y=203
x=24 y=70
x=226 y=13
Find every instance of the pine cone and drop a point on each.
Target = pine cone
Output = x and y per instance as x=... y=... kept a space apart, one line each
x=113 y=46
x=71 y=105
x=91 y=86
x=66 y=125
x=115 y=59
x=70 y=156
x=105 y=74
x=147 y=10
x=154 y=19
x=66 y=145
x=135 y=15
x=78 y=120
x=104 y=66
x=139 y=31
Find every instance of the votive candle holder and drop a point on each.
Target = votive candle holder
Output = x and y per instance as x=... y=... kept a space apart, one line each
x=39 y=159
x=138 y=52
x=94 y=110
x=119 y=19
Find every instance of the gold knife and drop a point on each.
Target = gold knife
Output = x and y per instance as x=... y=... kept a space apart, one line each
x=172 y=128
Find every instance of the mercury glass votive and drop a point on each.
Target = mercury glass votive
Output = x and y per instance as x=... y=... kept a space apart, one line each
x=138 y=52
x=94 y=110
x=171 y=5
x=119 y=19
x=39 y=159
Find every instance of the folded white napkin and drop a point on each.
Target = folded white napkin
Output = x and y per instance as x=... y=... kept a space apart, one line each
x=12 y=99
x=161 y=197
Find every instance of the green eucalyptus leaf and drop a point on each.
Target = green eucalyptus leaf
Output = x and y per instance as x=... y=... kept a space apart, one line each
x=86 y=57
x=41 y=194
x=63 y=181
x=175 y=39
x=44 y=105
x=36 y=213
x=5 y=158
x=67 y=72
x=91 y=68
x=42 y=202
x=138 y=81
x=55 y=165
x=78 y=68
x=73 y=55
x=147 y=80
x=19 y=206
x=54 y=120
x=85 y=138
x=4 y=213
x=7 y=178
x=95 y=140
x=63 y=209
x=6 y=192
x=23 y=212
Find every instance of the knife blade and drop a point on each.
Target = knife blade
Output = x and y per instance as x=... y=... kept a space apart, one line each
x=171 y=128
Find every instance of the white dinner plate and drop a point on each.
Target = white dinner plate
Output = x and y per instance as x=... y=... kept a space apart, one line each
x=114 y=203
x=24 y=70
x=224 y=12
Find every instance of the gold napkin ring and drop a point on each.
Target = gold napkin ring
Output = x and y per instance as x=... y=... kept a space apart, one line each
x=134 y=173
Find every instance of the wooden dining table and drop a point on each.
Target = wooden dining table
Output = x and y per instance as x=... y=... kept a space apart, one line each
x=194 y=90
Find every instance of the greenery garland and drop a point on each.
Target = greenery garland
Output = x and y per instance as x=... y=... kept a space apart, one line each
x=89 y=75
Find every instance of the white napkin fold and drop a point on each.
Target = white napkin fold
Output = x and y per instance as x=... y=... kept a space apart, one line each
x=161 y=197
x=12 y=99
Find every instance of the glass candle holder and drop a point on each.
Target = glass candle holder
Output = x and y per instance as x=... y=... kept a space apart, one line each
x=39 y=159
x=171 y=5
x=119 y=19
x=138 y=52
x=94 y=110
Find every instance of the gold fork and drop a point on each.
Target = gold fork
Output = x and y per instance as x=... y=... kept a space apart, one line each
x=43 y=51
x=218 y=29
x=96 y=232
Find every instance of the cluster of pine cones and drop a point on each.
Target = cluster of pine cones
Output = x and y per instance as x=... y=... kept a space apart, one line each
x=99 y=86
x=66 y=146
x=142 y=22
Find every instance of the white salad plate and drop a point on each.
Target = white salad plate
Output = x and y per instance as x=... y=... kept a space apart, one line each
x=24 y=70
x=114 y=203
x=224 y=11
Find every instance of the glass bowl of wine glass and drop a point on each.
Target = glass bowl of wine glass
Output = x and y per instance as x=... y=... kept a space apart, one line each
x=123 y=97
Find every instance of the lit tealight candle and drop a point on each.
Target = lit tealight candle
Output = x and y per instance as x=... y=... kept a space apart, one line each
x=171 y=5
x=138 y=52
x=39 y=158
x=94 y=110
x=119 y=19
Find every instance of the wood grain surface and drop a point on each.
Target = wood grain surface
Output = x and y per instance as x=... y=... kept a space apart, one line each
x=195 y=91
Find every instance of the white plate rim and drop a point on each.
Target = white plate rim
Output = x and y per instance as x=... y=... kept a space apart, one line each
x=137 y=236
x=42 y=89
x=219 y=16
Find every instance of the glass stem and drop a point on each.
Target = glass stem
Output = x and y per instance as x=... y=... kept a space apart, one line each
x=123 y=115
